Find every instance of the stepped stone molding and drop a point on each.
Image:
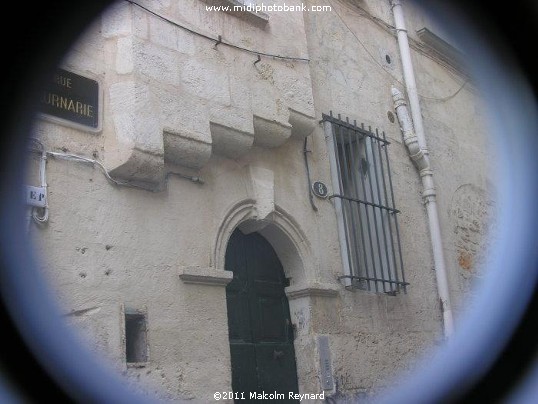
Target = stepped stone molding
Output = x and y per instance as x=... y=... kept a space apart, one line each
x=302 y=124
x=142 y=156
x=205 y=276
x=186 y=149
x=172 y=104
x=270 y=133
x=312 y=290
x=230 y=142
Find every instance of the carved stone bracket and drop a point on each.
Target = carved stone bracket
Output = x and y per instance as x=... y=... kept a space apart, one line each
x=143 y=146
x=205 y=276
x=311 y=290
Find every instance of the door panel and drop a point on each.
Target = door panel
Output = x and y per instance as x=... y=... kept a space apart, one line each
x=270 y=326
x=274 y=370
x=244 y=372
x=239 y=330
x=261 y=341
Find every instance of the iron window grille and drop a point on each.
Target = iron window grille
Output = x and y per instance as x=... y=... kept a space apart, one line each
x=364 y=198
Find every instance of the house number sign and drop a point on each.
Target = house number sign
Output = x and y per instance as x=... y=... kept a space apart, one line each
x=319 y=189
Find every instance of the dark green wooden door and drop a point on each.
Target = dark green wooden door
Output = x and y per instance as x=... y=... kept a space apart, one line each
x=261 y=336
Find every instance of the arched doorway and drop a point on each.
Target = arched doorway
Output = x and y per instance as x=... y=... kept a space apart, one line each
x=259 y=325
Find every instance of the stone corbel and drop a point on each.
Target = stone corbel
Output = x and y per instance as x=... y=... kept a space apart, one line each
x=140 y=167
x=205 y=276
x=262 y=187
x=138 y=156
x=141 y=147
x=230 y=142
x=186 y=148
x=311 y=290
x=270 y=133
x=302 y=125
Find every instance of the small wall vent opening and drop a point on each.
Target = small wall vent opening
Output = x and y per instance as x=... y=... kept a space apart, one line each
x=136 y=348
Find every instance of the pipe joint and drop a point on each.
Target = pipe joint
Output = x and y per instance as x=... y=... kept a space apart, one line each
x=399 y=102
x=409 y=137
x=420 y=162
x=419 y=155
x=411 y=142
x=429 y=195
x=426 y=172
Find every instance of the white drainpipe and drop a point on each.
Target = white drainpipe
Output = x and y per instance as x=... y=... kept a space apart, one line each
x=416 y=144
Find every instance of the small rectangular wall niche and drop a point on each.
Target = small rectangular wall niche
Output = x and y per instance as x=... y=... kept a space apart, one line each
x=136 y=347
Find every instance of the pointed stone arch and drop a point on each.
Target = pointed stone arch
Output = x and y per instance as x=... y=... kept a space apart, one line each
x=279 y=228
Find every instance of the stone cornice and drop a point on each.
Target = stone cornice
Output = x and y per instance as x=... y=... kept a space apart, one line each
x=311 y=290
x=205 y=276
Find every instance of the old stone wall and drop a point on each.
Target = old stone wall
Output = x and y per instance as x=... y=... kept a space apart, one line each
x=178 y=106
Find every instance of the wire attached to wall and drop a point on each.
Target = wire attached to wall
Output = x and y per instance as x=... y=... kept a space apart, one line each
x=41 y=215
x=75 y=157
x=392 y=30
x=218 y=40
x=309 y=182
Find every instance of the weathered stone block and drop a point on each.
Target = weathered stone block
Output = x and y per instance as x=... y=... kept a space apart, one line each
x=230 y=142
x=302 y=125
x=138 y=132
x=156 y=62
x=186 y=149
x=162 y=34
x=270 y=133
x=124 y=55
x=206 y=80
x=117 y=20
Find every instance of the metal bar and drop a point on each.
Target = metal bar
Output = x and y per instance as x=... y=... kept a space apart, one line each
x=373 y=279
x=351 y=233
x=305 y=151
x=395 y=220
x=364 y=202
x=347 y=163
x=375 y=212
x=389 y=218
x=349 y=171
x=368 y=222
x=330 y=138
x=381 y=214
x=355 y=173
x=338 y=121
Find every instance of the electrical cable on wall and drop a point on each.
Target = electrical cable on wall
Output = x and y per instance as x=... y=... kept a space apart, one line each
x=74 y=157
x=41 y=214
x=365 y=14
x=218 y=40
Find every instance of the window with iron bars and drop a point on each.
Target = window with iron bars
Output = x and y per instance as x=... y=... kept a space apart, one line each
x=364 y=201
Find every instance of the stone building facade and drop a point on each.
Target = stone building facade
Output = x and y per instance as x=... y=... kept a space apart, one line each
x=201 y=138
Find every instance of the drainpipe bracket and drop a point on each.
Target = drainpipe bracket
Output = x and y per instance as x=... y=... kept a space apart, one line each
x=409 y=137
x=422 y=164
x=426 y=172
x=429 y=195
x=399 y=101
